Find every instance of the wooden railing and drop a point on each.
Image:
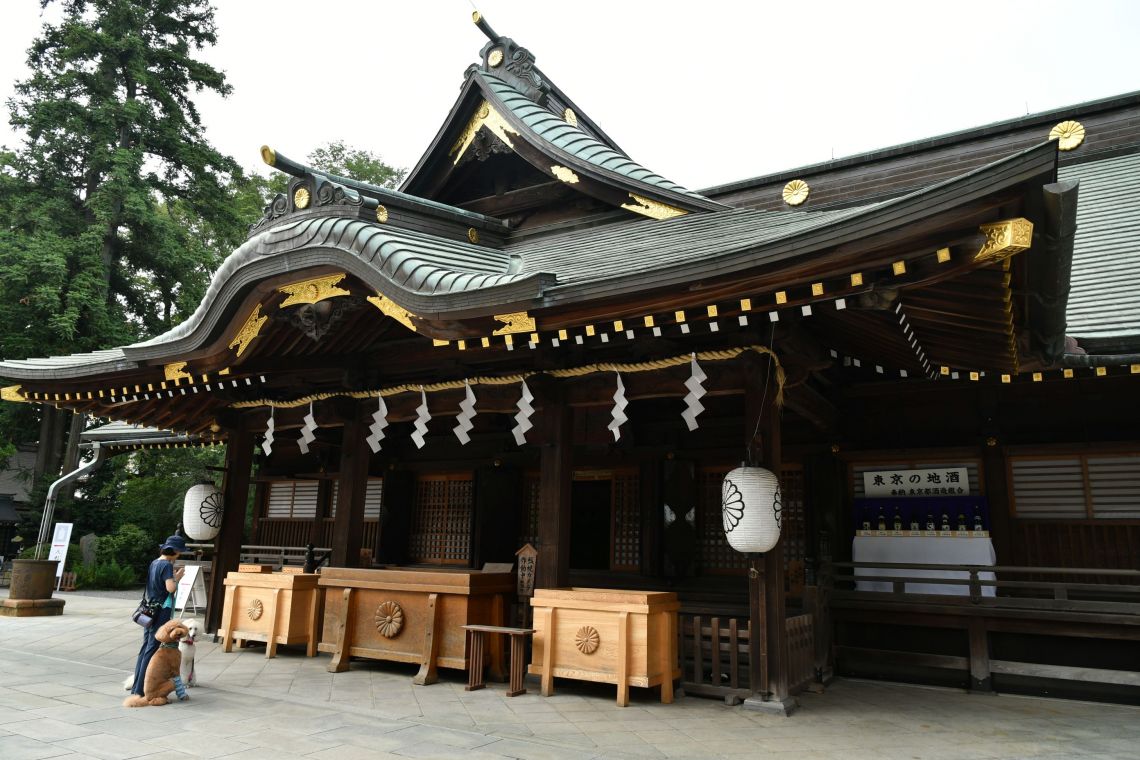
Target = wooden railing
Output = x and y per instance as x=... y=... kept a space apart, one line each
x=290 y=532
x=716 y=656
x=985 y=600
x=1018 y=587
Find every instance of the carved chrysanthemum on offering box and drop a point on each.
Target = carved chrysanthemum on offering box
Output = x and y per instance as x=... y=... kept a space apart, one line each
x=587 y=639
x=389 y=619
x=255 y=610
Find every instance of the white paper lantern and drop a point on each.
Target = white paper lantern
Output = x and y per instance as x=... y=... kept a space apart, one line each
x=750 y=507
x=202 y=512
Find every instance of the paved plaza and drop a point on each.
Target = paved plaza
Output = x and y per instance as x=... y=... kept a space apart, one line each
x=61 y=689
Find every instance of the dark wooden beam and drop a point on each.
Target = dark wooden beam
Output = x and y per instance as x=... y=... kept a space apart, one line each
x=556 y=470
x=352 y=483
x=227 y=546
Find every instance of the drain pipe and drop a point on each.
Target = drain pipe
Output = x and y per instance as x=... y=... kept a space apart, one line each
x=53 y=492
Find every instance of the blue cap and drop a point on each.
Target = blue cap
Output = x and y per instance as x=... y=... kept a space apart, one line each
x=177 y=543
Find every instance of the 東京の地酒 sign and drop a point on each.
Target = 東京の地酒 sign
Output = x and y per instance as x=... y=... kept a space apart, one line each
x=940 y=481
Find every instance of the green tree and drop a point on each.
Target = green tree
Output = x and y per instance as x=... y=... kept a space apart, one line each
x=115 y=208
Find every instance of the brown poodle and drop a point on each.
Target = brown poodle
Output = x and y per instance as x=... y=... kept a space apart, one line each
x=162 y=668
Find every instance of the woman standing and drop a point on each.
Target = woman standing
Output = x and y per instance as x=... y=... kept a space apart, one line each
x=161 y=582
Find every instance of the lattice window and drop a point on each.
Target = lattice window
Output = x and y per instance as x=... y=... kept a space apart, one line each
x=528 y=531
x=441 y=521
x=718 y=557
x=1076 y=486
x=626 y=507
x=291 y=499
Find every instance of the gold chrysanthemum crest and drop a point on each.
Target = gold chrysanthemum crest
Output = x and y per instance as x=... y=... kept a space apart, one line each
x=1068 y=134
x=796 y=192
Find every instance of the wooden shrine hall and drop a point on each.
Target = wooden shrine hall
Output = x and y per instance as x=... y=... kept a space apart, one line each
x=537 y=340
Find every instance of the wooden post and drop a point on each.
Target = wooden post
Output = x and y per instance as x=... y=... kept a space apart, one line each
x=348 y=525
x=980 y=680
x=324 y=498
x=227 y=546
x=556 y=462
x=770 y=687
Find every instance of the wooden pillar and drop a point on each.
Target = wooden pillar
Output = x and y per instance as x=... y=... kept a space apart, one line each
x=396 y=526
x=557 y=464
x=227 y=546
x=352 y=484
x=768 y=640
x=324 y=497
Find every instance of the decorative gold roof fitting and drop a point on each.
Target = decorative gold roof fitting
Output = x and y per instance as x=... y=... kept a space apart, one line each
x=176 y=371
x=393 y=310
x=488 y=117
x=1004 y=239
x=12 y=393
x=653 y=209
x=314 y=290
x=515 y=322
x=1068 y=134
x=566 y=175
x=248 y=331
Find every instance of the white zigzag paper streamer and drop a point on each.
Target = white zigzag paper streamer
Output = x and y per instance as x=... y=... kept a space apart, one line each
x=379 y=422
x=693 y=405
x=522 y=418
x=463 y=419
x=620 y=403
x=422 y=417
x=267 y=444
x=307 y=432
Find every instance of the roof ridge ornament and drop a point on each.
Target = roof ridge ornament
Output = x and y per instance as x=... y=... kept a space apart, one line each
x=511 y=62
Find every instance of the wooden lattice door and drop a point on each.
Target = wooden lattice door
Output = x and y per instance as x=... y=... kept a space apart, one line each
x=441 y=522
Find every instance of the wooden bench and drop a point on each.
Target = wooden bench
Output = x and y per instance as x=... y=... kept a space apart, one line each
x=475 y=637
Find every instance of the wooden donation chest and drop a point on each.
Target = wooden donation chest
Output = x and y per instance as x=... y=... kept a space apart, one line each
x=628 y=638
x=410 y=615
x=277 y=608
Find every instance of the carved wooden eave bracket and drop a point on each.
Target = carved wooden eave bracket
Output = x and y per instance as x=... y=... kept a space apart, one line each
x=1004 y=239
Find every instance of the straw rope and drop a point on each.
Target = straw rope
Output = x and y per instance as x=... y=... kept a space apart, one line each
x=589 y=369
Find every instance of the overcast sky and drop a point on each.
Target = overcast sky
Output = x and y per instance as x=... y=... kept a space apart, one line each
x=701 y=92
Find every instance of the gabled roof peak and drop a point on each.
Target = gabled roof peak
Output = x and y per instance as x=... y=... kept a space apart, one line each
x=511 y=62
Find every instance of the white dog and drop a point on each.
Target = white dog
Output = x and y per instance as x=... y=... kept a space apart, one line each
x=186 y=649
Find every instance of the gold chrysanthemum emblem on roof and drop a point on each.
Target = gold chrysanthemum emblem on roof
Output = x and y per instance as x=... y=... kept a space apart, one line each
x=1069 y=134
x=381 y=214
x=796 y=192
x=495 y=57
x=570 y=117
x=301 y=198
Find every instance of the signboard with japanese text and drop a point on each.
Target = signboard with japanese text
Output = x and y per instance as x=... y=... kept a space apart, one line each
x=59 y=542
x=941 y=481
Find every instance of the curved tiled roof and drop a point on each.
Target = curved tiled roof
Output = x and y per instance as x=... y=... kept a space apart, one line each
x=1104 y=302
x=570 y=140
x=413 y=269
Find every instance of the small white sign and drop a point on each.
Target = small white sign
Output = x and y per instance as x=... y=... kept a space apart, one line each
x=190 y=586
x=59 y=541
x=941 y=481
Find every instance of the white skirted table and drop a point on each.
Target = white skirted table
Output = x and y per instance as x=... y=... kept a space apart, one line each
x=924 y=550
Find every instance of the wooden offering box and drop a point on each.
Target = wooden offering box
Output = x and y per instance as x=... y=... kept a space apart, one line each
x=408 y=615
x=277 y=608
x=624 y=637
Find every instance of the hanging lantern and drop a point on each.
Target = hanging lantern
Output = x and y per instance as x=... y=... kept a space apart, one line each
x=202 y=512
x=750 y=503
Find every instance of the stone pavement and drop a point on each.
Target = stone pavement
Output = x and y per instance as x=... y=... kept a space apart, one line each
x=61 y=689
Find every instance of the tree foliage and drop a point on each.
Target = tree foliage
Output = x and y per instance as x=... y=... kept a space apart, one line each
x=115 y=201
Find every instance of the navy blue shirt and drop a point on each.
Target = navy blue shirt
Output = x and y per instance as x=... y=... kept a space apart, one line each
x=160 y=571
